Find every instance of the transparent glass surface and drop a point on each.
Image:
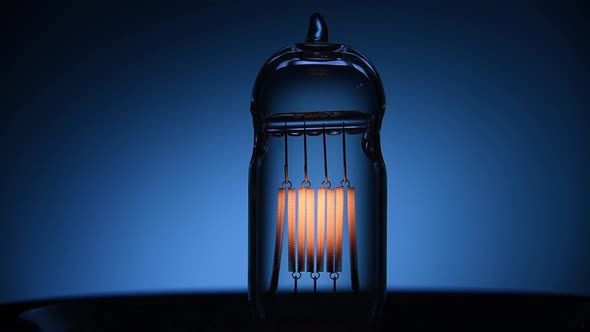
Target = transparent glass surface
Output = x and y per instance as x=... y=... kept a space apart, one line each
x=317 y=186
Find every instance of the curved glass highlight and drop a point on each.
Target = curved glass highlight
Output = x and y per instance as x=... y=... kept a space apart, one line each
x=317 y=184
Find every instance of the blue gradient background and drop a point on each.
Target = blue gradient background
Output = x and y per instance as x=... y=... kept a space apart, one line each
x=125 y=140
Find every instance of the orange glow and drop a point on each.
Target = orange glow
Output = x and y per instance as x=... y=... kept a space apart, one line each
x=339 y=227
x=308 y=242
x=301 y=218
x=310 y=227
x=321 y=218
x=291 y=228
x=331 y=231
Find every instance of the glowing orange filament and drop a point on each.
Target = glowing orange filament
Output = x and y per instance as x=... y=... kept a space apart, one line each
x=301 y=222
x=310 y=227
x=291 y=228
x=339 y=227
x=331 y=229
x=321 y=219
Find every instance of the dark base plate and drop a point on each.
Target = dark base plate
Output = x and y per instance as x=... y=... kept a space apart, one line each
x=215 y=312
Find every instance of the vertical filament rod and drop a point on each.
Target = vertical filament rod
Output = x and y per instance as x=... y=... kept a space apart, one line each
x=325 y=157
x=306 y=179
x=286 y=167
x=344 y=152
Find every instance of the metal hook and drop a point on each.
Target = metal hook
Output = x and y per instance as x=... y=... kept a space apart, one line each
x=334 y=276
x=296 y=276
x=315 y=276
